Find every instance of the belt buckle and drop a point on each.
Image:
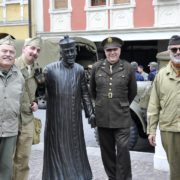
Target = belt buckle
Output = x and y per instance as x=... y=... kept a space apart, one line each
x=110 y=95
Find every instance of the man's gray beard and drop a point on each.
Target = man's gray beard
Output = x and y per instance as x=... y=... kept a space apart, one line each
x=174 y=59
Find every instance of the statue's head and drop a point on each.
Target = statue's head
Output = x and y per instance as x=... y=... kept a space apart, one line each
x=68 y=50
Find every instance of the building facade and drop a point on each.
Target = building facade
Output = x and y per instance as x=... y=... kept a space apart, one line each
x=14 y=18
x=95 y=19
x=144 y=25
x=140 y=23
x=17 y=17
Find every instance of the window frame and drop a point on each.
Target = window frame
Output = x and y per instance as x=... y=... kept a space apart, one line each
x=60 y=8
x=95 y=5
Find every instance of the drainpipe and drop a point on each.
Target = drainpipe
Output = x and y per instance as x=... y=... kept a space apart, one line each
x=29 y=18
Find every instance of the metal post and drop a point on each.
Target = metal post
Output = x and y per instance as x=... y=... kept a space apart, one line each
x=29 y=18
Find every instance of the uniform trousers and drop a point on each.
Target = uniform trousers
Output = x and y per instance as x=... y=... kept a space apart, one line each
x=115 y=153
x=7 y=148
x=23 y=151
x=171 y=144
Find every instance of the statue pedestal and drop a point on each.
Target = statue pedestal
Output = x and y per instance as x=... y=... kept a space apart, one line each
x=160 y=159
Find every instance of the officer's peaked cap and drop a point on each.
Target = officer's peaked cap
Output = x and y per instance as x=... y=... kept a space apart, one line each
x=66 y=42
x=112 y=42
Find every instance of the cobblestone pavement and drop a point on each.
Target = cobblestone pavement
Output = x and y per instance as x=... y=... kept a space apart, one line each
x=142 y=165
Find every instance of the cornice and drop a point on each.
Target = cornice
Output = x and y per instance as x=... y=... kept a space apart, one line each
x=125 y=34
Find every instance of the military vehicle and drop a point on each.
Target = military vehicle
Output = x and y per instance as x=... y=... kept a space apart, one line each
x=87 y=55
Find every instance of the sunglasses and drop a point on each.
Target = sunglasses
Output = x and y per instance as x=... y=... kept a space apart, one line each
x=174 y=50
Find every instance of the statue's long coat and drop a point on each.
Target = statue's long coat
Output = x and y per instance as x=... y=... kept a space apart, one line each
x=65 y=156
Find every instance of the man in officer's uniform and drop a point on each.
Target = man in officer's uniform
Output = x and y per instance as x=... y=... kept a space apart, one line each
x=113 y=86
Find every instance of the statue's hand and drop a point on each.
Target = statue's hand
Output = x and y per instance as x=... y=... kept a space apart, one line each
x=92 y=121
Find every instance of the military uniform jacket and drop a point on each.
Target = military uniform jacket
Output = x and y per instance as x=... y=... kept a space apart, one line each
x=164 y=103
x=11 y=89
x=113 y=93
x=30 y=82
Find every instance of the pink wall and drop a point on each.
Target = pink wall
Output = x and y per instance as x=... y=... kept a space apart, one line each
x=46 y=16
x=78 y=20
x=144 y=13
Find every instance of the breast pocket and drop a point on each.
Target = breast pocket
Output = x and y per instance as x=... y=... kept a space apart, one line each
x=121 y=80
x=101 y=80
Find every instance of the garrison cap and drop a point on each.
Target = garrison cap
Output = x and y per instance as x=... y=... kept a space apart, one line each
x=112 y=42
x=67 y=42
x=36 y=41
x=174 y=40
x=7 y=40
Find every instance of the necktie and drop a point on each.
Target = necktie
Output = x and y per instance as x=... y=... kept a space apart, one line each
x=110 y=68
x=29 y=69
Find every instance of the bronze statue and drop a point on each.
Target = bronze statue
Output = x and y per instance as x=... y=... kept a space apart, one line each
x=65 y=156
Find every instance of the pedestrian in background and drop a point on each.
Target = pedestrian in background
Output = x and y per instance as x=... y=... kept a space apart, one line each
x=28 y=66
x=11 y=89
x=65 y=156
x=138 y=76
x=164 y=108
x=153 y=67
x=142 y=72
x=113 y=87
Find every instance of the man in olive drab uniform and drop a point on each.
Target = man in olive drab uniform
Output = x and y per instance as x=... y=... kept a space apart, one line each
x=164 y=108
x=11 y=89
x=26 y=63
x=113 y=86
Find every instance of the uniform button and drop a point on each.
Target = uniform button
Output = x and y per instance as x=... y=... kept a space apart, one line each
x=110 y=84
x=110 y=78
x=110 y=89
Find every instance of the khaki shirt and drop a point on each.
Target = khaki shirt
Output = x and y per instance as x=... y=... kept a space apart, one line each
x=28 y=95
x=164 y=104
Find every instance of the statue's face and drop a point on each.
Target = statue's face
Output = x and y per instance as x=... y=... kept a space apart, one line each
x=69 y=54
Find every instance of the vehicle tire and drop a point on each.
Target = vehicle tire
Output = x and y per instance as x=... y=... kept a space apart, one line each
x=132 y=139
x=133 y=136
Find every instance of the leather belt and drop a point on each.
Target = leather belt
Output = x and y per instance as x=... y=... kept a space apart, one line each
x=110 y=95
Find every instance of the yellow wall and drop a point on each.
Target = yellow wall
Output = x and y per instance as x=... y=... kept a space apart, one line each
x=19 y=32
x=13 y=12
x=1 y=13
x=26 y=12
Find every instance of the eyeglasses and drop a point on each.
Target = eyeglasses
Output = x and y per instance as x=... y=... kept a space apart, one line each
x=174 y=50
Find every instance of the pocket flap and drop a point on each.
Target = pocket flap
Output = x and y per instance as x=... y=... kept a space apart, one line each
x=124 y=104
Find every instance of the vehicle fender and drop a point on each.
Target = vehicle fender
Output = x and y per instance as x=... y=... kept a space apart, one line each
x=137 y=110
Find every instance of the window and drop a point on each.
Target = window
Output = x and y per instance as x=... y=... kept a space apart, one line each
x=121 y=1
x=98 y=2
x=60 y=4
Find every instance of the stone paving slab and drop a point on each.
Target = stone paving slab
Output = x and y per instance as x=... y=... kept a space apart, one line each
x=142 y=165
